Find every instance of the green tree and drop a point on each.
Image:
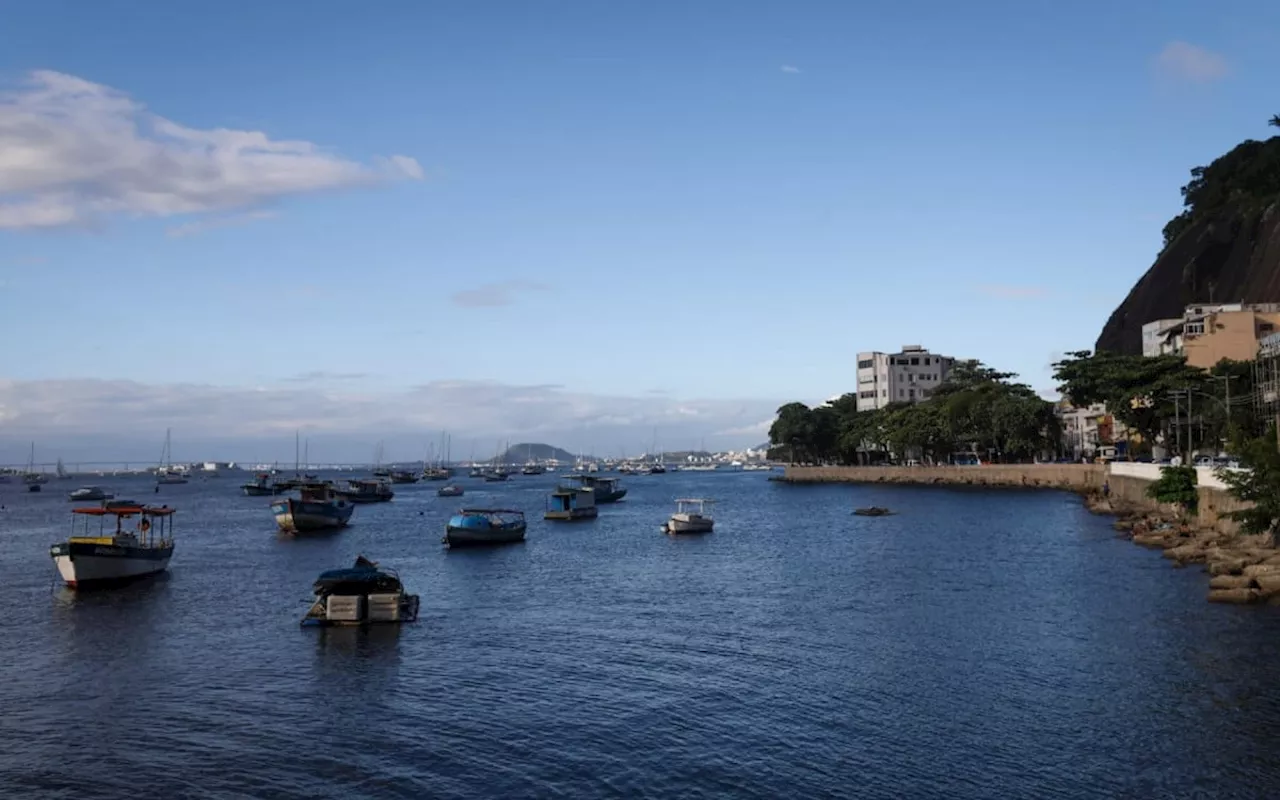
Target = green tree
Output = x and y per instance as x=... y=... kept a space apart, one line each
x=793 y=431
x=1274 y=121
x=1177 y=486
x=1258 y=483
x=1137 y=390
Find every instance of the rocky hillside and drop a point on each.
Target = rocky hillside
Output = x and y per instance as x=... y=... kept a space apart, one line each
x=1224 y=247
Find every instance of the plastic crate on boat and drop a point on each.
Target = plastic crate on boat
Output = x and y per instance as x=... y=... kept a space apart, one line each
x=345 y=608
x=384 y=608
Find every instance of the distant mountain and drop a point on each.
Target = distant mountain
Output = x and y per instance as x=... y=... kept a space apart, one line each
x=520 y=453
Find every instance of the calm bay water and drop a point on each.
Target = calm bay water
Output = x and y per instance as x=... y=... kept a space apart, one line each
x=978 y=644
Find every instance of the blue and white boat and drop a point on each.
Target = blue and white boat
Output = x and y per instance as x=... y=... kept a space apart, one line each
x=317 y=508
x=473 y=527
x=570 y=504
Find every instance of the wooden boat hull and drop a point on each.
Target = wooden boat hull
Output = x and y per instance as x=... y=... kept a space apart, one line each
x=301 y=516
x=364 y=498
x=467 y=536
x=251 y=490
x=572 y=514
x=88 y=565
x=681 y=523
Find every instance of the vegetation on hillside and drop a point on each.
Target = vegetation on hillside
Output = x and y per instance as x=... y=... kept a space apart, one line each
x=1258 y=483
x=1176 y=486
x=1149 y=395
x=976 y=410
x=1247 y=176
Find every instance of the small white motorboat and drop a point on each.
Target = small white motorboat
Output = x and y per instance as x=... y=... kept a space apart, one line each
x=691 y=517
x=90 y=493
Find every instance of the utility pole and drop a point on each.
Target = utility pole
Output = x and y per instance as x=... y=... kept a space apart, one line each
x=1177 y=423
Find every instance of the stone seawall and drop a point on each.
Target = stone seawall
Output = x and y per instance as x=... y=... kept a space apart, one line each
x=1082 y=478
x=1129 y=497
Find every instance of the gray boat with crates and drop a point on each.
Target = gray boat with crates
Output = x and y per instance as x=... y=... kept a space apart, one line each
x=360 y=595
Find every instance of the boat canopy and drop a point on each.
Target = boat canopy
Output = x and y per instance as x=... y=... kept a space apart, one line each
x=125 y=511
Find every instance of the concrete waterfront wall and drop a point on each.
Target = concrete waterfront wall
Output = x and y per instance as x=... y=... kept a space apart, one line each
x=1127 y=482
x=1072 y=477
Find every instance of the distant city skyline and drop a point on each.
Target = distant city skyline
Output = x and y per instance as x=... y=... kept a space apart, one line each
x=572 y=223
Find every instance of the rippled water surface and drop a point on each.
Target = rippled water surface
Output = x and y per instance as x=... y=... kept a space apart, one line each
x=977 y=645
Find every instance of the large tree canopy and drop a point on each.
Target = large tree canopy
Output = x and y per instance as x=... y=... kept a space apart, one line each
x=977 y=409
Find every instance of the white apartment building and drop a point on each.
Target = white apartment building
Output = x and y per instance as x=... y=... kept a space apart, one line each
x=905 y=377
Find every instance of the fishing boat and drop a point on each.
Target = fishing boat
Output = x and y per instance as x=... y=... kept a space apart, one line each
x=571 y=503
x=402 y=476
x=450 y=490
x=359 y=595
x=496 y=475
x=691 y=517
x=89 y=493
x=872 y=511
x=473 y=527
x=436 y=473
x=533 y=469
x=607 y=490
x=318 y=508
x=363 y=490
x=263 y=485
x=113 y=556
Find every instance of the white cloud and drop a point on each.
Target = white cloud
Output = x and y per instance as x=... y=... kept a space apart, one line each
x=336 y=409
x=790 y=70
x=72 y=151
x=503 y=293
x=1010 y=292
x=1188 y=62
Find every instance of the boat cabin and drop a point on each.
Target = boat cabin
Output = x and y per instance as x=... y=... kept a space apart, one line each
x=571 y=503
x=153 y=528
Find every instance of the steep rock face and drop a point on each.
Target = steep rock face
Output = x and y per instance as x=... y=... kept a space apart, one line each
x=1232 y=256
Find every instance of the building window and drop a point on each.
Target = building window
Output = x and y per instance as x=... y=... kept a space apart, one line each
x=1194 y=328
x=866 y=363
x=911 y=393
x=915 y=361
x=900 y=392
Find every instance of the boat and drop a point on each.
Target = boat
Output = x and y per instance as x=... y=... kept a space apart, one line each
x=263 y=485
x=403 y=476
x=362 y=490
x=34 y=480
x=476 y=472
x=691 y=517
x=359 y=595
x=572 y=503
x=318 y=508
x=114 y=556
x=89 y=493
x=533 y=469
x=166 y=473
x=496 y=475
x=607 y=490
x=61 y=471
x=450 y=490
x=872 y=511
x=472 y=527
x=437 y=473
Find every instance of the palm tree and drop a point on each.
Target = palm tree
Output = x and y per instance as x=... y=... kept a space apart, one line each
x=1275 y=121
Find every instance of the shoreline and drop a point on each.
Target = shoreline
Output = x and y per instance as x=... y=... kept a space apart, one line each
x=1243 y=569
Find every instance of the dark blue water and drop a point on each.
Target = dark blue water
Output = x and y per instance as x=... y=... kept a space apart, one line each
x=976 y=645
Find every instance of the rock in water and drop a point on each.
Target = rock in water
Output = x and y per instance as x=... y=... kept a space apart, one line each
x=1237 y=596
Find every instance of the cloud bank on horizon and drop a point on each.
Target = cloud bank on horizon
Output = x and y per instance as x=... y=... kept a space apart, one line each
x=125 y=419
x=73 y=152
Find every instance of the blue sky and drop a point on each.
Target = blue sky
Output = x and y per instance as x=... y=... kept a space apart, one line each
x=647 y=215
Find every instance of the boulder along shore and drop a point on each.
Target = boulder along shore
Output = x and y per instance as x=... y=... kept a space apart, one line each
x=1243 y=569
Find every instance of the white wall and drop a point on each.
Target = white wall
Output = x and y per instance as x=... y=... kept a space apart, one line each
x=1149 y=472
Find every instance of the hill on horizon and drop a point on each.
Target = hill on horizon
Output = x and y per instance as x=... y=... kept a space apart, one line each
x=524 y=451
